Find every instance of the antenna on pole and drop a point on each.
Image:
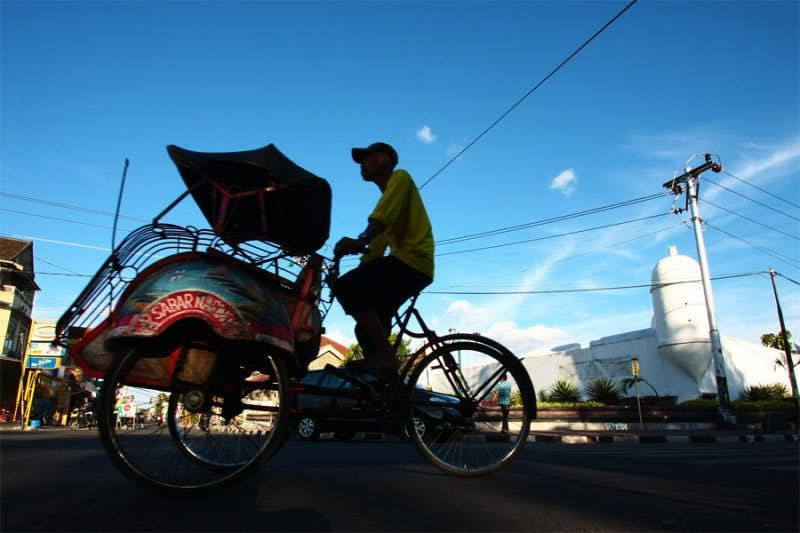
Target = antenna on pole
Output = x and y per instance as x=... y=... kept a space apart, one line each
x=119 y=202
x=690 y=178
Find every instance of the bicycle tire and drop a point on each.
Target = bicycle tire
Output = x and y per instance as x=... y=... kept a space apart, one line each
x=172 y=457
x=465 y=436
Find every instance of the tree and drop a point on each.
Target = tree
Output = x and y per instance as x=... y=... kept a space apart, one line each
x=162 y=400
x=775 y=340
x=355 y=352
x=627 y=383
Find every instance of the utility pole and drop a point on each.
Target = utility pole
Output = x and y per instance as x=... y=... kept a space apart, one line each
x=690 y=177
x=786 y=349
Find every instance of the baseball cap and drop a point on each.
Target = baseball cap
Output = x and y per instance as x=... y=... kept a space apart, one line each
x=359 y=153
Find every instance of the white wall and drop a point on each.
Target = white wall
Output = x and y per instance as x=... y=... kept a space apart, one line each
x=746 y=364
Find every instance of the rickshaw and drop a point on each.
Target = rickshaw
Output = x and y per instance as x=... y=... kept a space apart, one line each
x=209 y=329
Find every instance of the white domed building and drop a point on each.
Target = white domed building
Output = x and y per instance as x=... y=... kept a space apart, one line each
x=674 y=353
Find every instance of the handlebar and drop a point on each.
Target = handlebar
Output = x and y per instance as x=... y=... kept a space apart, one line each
x=333 y=267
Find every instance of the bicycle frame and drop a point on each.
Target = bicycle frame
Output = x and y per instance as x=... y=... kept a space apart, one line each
x=451 y=369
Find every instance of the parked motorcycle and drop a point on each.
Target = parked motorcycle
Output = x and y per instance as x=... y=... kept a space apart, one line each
x=82 y=417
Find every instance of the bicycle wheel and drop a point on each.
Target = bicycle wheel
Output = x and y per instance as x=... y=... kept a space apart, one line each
x=218 y=426
x=452 y=390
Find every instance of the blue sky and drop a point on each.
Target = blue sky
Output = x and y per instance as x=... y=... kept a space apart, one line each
x=85 y=85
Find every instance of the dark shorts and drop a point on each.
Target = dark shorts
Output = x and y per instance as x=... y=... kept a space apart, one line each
x=383 y=285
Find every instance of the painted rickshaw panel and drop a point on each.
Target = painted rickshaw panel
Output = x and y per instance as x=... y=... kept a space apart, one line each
x=237 y=304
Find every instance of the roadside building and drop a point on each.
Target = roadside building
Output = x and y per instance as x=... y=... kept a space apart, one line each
x=17 y=290
x=330 y=352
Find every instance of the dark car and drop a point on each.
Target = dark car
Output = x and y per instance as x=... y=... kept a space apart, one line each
x=326 y=402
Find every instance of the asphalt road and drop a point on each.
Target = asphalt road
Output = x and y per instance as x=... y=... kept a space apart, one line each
x=60 y=480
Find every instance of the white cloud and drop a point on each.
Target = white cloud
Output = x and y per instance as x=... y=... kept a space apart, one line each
x=762 y=166
x=454 y=149
x=524 y=340
x=776 y=158
x=674 y=147
x=426 y=135
x=482 y=319
x=466 y=316
x=565 y=182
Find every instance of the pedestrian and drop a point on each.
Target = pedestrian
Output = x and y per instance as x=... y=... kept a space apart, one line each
x=373 y=292
x=503 y=397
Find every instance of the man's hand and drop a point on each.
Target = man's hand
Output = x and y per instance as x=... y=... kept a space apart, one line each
x=348 y=246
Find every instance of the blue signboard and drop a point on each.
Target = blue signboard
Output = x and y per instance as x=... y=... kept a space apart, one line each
x=46 y=363
x=44 y=348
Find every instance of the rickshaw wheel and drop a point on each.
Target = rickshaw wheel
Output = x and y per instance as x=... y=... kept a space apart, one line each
x=197 y=436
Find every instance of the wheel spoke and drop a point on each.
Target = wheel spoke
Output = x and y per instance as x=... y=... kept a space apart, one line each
x=453 y=388
x=191 y=436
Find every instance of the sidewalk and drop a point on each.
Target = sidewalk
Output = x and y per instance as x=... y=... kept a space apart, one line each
x=15 y=427
x=610 y=432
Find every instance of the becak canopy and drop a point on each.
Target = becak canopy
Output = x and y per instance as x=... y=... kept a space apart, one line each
x=258 y=195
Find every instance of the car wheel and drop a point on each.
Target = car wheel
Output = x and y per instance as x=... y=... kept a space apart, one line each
x=418 y=424
x=308 y=428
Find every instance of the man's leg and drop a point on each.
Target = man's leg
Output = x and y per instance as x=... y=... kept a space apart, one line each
x=374 y=340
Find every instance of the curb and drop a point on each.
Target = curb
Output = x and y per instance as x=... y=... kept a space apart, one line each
x=660 y=439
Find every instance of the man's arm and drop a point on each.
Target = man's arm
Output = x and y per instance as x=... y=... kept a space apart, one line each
x=347 y=245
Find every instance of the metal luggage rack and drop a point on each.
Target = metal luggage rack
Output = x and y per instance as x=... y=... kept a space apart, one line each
x=148 y=244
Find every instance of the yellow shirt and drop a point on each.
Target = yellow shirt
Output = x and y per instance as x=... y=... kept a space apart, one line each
x=408 y=230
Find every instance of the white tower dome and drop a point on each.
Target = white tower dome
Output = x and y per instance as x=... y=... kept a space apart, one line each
x=679 y=314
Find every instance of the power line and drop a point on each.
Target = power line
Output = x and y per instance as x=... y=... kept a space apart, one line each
x=64 y=274
x=560 y=218
x=762 y=190
x=553 y=236
x=776 y=255
x=37 y=215
x=594 y=289
x=65 y=243
x=57 y=266
x=795 y=237
x=550 y=220
x=626 y=241
x=601 y=248
x=751 y=199
x=530 y=92
x=788 y=278
x=69 y=206
x=611 y=245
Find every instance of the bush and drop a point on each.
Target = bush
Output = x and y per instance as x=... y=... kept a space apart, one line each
x=516 y=399
x=543 y=396
x=603 y=390
x=784 y=404
x=759 y=393
x=568 y=405
x=699 y=404
x=564 y=391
